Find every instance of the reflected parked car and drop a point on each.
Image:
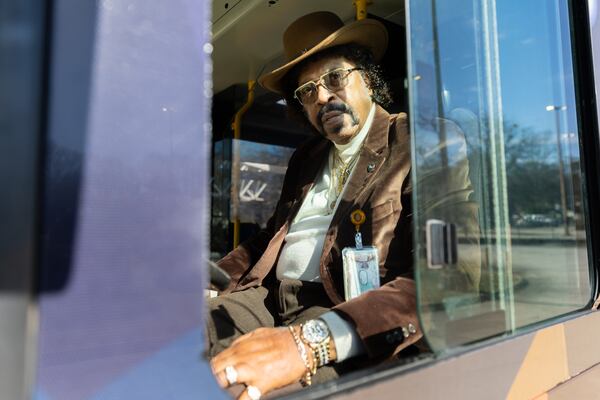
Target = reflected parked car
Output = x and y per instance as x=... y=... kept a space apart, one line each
x=535 y=220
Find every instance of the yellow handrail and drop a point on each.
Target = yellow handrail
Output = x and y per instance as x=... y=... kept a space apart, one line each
x=235 y=165
x=237 y=120
x=361 y=9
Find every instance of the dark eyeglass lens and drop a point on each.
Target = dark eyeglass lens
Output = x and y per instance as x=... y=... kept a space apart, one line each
x=334 y=79
x=305 y=93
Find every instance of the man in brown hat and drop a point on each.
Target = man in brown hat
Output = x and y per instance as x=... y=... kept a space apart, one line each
x=284 y=318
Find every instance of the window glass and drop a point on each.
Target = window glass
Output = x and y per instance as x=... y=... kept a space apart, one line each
x=499 y=209
x=260 y=171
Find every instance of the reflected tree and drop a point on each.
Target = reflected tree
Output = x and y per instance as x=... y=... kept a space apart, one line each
x=531 y=168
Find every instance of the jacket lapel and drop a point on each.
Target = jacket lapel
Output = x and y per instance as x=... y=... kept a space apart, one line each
x=372 y=156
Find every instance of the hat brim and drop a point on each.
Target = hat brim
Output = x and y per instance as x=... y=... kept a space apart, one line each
x=367 y=32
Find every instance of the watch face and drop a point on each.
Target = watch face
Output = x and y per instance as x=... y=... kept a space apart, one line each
x=315 y=331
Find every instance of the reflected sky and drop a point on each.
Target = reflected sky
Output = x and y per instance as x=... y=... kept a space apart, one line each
x=534 y=64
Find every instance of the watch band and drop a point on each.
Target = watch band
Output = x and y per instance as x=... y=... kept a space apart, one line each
x=321 y=353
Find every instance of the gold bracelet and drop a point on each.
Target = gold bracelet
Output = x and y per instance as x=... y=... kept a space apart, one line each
x=306 y=381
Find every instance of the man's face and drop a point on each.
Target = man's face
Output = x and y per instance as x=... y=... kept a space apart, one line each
x=338 y=115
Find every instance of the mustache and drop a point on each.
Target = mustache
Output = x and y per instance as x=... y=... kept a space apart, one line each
x=341 y=107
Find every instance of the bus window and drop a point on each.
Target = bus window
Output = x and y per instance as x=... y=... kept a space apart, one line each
x=261 y=168
x=499 y=217
x=256 y=162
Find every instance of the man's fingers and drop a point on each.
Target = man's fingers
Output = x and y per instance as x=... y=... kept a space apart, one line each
x=266 y=360
x=252 y=392
x=221 y=377
x=242 y=350
x=260 y=331
x=235 y=355
x=241 y=373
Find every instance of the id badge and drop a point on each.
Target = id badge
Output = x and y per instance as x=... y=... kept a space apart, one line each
x=361 y=270
x=361 y=264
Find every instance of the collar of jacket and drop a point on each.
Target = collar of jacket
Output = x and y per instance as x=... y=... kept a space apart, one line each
x=375 y=146
x=374 y=142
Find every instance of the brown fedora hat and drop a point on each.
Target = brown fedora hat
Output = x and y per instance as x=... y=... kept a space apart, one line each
x=321 y=30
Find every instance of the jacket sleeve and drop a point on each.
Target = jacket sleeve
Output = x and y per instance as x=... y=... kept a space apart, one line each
x=386 y=319
x=241 y=259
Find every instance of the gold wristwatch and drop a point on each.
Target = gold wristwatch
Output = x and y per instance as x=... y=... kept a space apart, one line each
x=315 y=333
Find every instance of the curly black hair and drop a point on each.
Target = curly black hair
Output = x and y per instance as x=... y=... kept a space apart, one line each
x=359 y=55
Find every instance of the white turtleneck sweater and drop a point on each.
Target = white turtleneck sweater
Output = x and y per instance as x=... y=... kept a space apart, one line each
x=301 y=253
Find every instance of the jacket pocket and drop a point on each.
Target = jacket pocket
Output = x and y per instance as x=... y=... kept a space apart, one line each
x=381 y=211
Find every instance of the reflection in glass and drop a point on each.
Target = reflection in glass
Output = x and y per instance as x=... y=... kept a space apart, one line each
x=261 y=169
x=499 y=76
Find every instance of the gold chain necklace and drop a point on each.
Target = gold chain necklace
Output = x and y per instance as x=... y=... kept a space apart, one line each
x=342 y=174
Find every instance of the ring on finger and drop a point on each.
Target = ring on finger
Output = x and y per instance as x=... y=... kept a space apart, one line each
x=231 y=374
x=253 y=392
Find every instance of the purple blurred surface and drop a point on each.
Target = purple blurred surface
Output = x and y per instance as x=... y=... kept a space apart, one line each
x=125 y=227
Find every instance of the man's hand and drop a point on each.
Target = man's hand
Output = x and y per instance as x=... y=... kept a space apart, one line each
x=266 y=358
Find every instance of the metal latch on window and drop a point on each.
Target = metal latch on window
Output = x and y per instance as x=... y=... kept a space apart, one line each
x=442 y=244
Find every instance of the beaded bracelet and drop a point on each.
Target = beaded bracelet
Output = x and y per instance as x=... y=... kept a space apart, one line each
x=306 y=381
x=321 y=354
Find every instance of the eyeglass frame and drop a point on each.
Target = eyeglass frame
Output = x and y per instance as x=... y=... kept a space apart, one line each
x=320 y=82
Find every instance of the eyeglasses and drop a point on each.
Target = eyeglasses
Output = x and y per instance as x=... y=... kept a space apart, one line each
x=333 y=81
